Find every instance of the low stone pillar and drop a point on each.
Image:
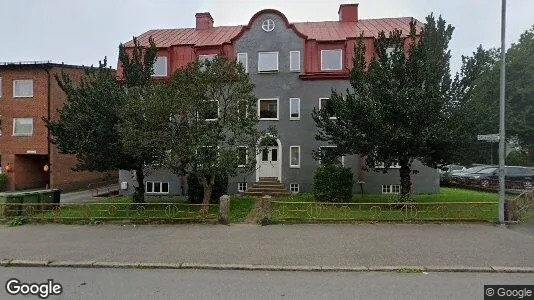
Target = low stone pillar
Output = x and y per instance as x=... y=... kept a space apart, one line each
x=265 y=210
x=224 y=209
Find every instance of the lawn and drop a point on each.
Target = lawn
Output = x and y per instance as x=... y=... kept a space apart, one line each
x=451 y=204
x=240 y=207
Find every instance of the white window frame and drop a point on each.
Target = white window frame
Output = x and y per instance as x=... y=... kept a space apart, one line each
x=0 y=87
x=245 y=65
x=277 y=62
x=340 y=60
x=14 y=89
x=291 y=61
x=266 y=25
x=332 y=146
x=320 y=106
x=277 y=109
x=297 y=166
x=166 y=66
x=246 y=156
x=391 y=189
x=292 y=188
x=242 y=187
x=161 y=192
x=22 y=134
x=382 y=165
x=291 y=109
x=218 y=112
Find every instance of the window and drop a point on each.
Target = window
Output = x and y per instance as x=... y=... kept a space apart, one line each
x=157 y=187
x=22 y=126
x=294 y=188
x=241 y=187
x=294 y=61
x=23 y=88
x=160 y=66
x=381 y=165
x=206 y=57
x=211 y=110
x=242 y=156
x=390 y=189
x=294 y=108
x=268 y=25
x=328 y=155
x=242 y=58
x=323 y=104
x=268 y=109
x=268 y=62
x=331 y=60
x=294 y=157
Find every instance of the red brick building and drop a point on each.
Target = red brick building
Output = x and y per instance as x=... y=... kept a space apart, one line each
x=29 y=92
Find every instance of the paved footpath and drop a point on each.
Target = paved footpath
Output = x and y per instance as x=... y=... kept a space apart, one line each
x=331 y=245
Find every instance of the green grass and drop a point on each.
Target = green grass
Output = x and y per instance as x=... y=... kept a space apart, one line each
x=240 y=207
x=449 y=205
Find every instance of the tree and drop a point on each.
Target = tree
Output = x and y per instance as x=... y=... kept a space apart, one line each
x=484 y=97
x=204 y=121
x=87 y=123
x=400 y=107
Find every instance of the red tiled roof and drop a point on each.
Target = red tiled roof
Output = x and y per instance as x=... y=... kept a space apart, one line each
x=336 y=31
x=321 y=31
x=188 y=36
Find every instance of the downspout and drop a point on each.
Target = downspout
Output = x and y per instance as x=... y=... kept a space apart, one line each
x=46 y=68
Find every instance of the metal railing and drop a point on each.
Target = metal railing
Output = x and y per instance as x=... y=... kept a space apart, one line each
x=423 y=211
x=91 y=211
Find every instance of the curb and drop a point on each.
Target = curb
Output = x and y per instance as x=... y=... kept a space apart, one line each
x=251 y=267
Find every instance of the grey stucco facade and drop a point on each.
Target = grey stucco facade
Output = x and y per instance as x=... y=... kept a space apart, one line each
x=284 y=85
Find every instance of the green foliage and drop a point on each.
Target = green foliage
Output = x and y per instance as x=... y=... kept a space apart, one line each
x=195 y=190
x=202 y=117
x=332 y=183
x=519 y=158
x=3 y=181
x=16 y=221
x=87 y=123
x=400 y=106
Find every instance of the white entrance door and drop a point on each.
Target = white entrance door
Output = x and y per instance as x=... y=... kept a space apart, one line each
x=269 y=162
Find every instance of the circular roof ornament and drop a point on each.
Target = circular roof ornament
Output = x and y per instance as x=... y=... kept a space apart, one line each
x=268 y=25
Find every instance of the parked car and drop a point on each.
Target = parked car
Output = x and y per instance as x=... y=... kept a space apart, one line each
x=462 y=176
x=515 y=177
x=446 y=171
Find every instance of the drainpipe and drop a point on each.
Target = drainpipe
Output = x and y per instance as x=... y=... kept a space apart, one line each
x=46 y=68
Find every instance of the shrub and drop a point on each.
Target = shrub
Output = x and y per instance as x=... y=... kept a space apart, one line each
x=3 y=181
x=332 y=183
x=195 y=190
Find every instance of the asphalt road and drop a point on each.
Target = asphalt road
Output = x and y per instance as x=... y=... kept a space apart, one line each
x=205 y=284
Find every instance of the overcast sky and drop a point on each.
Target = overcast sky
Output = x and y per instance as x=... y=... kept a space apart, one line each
x=83 y=32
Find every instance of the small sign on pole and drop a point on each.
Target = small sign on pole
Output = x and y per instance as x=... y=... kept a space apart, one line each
x=488 y=137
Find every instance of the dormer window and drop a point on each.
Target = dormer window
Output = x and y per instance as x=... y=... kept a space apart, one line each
x=331 y=60
x=160 y=66
x=207 y=57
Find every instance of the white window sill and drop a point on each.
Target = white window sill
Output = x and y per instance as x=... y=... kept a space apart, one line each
x=329 y=70
x=23 y=134
x=295 y=167
x=268 y=72
x=241 y=166
x=211 y=120
x=19 y=97
x=269 y=119
x=154 y=75
x=294 y=119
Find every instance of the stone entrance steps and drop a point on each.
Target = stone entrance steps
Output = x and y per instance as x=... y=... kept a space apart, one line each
x=267 y=186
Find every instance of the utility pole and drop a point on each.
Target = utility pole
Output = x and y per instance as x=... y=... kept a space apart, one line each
x=502 y=154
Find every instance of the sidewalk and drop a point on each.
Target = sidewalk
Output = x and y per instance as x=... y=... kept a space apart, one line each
x=334 y=245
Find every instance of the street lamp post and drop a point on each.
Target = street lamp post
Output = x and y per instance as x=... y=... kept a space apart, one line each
x=502 y=153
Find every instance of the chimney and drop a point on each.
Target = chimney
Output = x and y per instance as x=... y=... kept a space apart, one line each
x=348 y=12
x=204 y=20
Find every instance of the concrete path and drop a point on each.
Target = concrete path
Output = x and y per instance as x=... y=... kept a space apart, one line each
x=86 y=195
x=471 y=245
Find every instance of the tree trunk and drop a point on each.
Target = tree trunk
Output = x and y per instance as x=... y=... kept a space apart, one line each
x=405 y=180
x=139 y=194
x=207 y=183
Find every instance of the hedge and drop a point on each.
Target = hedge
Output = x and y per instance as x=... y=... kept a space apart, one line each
x=332 y=183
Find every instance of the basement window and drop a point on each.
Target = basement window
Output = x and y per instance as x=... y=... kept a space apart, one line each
x=390 y=189
x=294 y=188
x=241 y=187
x=157 y=187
